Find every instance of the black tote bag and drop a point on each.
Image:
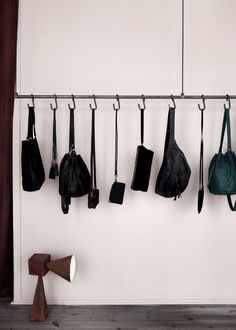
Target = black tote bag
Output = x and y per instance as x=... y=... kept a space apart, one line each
x=33 y=175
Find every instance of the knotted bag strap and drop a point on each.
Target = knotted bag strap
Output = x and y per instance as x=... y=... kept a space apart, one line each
x=31 y=123
x=170 y=131
x=93 y=153
x=72 y=132
x=116 y=145
x=226 y=122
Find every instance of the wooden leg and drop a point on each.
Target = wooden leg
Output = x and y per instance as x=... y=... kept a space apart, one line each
x=39 y=311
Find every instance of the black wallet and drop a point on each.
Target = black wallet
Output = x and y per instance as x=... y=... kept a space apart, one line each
x=142 y=169
x=117 y=192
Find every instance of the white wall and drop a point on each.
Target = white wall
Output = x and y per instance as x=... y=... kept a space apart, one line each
x=150 y=249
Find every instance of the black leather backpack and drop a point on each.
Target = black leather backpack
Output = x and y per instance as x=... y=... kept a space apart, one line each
x=175 y=172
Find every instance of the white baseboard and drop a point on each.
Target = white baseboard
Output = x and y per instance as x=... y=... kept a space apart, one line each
x=164 y=301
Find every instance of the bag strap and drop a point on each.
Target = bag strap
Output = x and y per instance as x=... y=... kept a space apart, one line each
x=170 y=131
x=226 y=122
x=31 y=123
x=54 y=139
x=93 y=153
x=142 y=125
x=201 y=174
x=116 y=145
x=232 y=207
x=72 y=132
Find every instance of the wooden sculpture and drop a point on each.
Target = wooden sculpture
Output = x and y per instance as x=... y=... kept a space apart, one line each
x=39 y=265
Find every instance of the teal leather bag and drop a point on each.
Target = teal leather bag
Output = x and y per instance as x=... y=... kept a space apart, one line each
x=222 y=169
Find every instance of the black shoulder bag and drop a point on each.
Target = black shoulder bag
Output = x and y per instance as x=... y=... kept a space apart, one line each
x=118 y=188
x=222 y=168
x=143 y=162
x=74 y=177
x=33 y=175
x=93 y=196
x=175 y=172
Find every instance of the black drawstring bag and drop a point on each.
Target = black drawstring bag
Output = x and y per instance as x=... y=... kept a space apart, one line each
x=143 y=163
x=118 y=188
x=93 y=196
x=74 y=177
x=53 y=173
x=175 y=172
x=33 y=175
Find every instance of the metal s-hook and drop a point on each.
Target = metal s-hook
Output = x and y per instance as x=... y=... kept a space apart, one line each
x=73 y=99
x=204 y=104
x=95 y=103
x=56 y=105
x=229 y=103
x=118 y=102
x=174 y=105
x=32 y=98
x=144 y=105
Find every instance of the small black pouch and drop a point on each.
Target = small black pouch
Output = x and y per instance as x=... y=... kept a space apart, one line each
x=143 y=161
x=33 y=175
x=118 y=188
x=93 y=195
x=93 y=198
x=117 y=192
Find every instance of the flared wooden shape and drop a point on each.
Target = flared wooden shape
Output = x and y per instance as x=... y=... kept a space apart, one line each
x=39 y=311
x=61 y=267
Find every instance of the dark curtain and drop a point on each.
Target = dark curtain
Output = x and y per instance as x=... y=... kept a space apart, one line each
x=8 y=38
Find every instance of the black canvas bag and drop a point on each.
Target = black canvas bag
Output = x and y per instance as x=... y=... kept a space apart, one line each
x=74 y=177
x=93 y=196
x=118 y=188
x=175 y=172
x=33 y=175
x=143 y=162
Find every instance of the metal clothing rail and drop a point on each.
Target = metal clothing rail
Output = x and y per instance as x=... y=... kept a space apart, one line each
x=124 y=97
